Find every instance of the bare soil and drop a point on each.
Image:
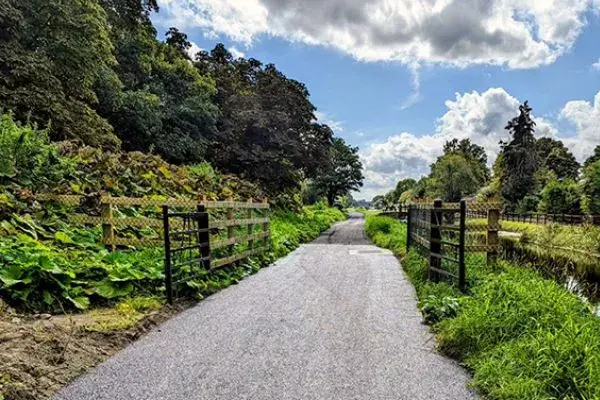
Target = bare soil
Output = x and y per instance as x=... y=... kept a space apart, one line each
x=41 y=353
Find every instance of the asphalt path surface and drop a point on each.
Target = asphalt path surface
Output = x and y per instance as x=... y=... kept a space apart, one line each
x=335 y=319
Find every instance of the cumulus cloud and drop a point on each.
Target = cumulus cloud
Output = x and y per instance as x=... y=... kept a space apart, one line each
x=516 y=33
x=596 y=65
x=480 y=117
x=585 y=117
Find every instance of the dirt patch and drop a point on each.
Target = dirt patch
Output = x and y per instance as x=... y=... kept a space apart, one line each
x=41 y=353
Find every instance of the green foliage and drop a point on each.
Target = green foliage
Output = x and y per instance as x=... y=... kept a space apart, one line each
x=527 y=204
x=51 y=58
x=524 y=337
x=552 y=155
x=591 y=188
x=49 y=266
x=436 y=308
x=519 y=159
x=561 y=197
x=387 y=232
x=454 y=177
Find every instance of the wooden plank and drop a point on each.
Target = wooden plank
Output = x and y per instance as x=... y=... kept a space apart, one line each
x=120 y=241
x=236 y=257
x=66 y=199
x=481 y=248
x=142 y=201
x=240 y=239
x=74 y=200
x=222 y=223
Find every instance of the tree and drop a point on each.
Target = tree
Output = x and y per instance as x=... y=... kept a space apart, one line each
x=51 y=55
x=593 y=158
x=266 y=130
x=519 y=158
x=403 y=186
x=473 y=153
x=343 y=172
x=378 y=202
x=452 y=178
x=561 y=197
x=179 y=41
x=591 y=188
x=552 y=155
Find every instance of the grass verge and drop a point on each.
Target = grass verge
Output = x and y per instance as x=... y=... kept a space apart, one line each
x=522 y=336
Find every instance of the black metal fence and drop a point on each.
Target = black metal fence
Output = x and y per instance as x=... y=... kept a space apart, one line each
x=187 y=249
x=543 y=219
x=439 y=234
x=442 y=234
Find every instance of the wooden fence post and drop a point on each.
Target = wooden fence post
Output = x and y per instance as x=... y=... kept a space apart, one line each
x=249 y=215
x=435 y=237
x=492 y=235
x=168 y=272
x=108 y=229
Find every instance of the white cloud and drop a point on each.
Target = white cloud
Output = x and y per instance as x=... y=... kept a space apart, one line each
x=585 y=117
x=596 y=65
x=516 y=33
x=480 y=117
x=324 y=118
x=236 y=53
x=193 y=50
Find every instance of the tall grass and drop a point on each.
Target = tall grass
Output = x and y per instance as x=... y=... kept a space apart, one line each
x=521 y=335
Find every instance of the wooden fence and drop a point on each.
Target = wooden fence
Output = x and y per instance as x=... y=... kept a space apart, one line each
x=139 y=222
x=440 y=230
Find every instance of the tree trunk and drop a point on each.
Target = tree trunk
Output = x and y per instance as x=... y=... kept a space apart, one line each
x=330 y=199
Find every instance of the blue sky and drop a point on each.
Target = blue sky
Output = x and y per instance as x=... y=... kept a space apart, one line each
x=398 y=80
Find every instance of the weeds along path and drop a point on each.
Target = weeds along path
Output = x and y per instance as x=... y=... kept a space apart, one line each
x=335 y=319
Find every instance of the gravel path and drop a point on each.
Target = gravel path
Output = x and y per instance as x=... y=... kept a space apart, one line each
x=335 y=319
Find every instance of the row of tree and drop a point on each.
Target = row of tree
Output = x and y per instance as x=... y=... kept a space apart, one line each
x=95 y=72
x=528 y=175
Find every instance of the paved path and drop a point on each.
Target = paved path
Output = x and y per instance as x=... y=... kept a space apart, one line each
x=335 y=319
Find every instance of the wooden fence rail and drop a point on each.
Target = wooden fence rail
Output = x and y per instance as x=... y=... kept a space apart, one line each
x=238 y=218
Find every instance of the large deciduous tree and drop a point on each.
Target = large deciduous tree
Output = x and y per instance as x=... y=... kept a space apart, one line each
x=342 y=173
x=52 y=53
x=519 y=159
x=552 y=155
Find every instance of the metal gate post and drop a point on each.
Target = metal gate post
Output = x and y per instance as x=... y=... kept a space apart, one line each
x=408 y=228
x=168 y=272
x=462 y=284
x=203 y=236
x=435 y=237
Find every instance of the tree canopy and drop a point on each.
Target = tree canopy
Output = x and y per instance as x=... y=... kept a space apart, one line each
x=96 y=72
x=342 y=174
x=519 y=158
